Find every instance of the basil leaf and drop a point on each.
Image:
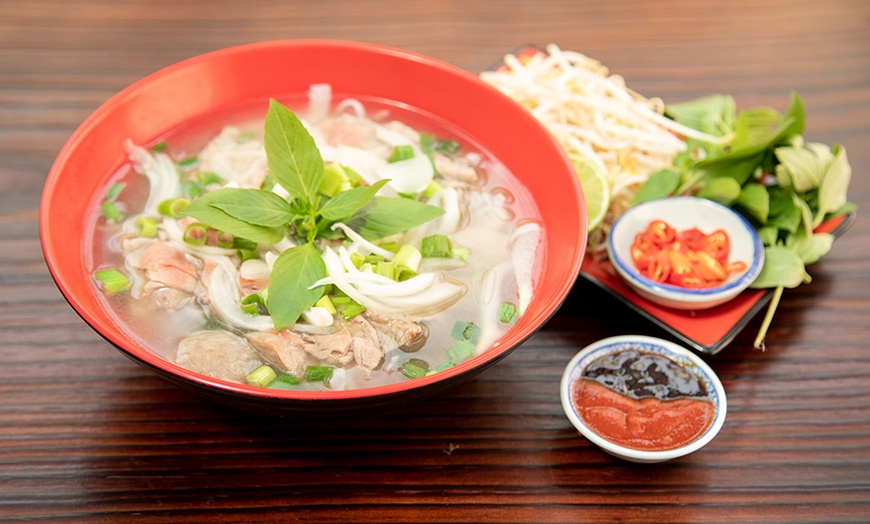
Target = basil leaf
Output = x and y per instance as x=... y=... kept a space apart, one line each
x=660 y=184
x=386 y=216
x=294 y=271
x=293 y=158
x=202 y=210
x=348 y=202
x=782 y=267
x=254 y=206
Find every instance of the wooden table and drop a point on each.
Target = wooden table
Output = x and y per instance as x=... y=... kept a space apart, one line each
x=87 y=435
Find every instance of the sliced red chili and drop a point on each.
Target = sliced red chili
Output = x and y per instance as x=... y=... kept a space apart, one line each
x=688 y=258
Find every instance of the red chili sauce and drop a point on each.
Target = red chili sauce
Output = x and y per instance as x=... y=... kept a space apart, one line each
x=643 y=401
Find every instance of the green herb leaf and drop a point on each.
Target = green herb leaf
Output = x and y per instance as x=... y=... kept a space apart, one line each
x=660 y=184
x=755 y=200
x=801 y=168
x=385 y=216
x=739 y=165
x=782 y=267
x=202 y=210
x=834 y=185
x=724 y=190
x=768 y=235
x=254 y=206
x=293 y=158
x=348 y=202
x=713 y=114
x=756 y=127
x=811 y=248
x=294 y=271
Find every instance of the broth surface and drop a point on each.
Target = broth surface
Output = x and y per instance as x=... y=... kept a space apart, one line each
x=493 y=207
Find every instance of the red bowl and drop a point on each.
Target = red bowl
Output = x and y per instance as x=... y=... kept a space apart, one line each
x=165 y=100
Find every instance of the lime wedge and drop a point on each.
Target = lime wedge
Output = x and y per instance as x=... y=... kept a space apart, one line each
x=596 y=191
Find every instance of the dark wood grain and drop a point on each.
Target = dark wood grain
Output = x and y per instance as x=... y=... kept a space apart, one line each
x=87 y=435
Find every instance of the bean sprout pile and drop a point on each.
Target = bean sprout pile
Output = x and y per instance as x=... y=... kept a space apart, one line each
x=593 y=114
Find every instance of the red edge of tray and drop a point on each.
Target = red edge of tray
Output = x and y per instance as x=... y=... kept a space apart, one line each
x=707 y=331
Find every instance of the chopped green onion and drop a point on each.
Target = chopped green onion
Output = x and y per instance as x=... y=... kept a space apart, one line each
x=318 y=373
x=263 y=376
x=385 y=269
x=408 y=257
x=188 y=163
x=146 y=227
x=334 y=180
x=432 y=188
x=245 y=249
x=112 y=280
x=209 y=177
x=247 y=136
x=391 y=246
x=115 y=191
x=326 y=304
x=285 y=380
x=463 y=330
x=351 y=310
x=415 y=368
x=111 y=212
x=192 y=190
x=460 y=351
x=402 y=152
x=373 y=259
x=441 y=367
x=403 y=273
x=340 y=300
x=355 y=178
x=507 y=312
x=255 y=304
x=247 y=254
x=427 y=143
x=195 y=234
x=436 y=246
x=159 y=147
x=244 y=243
x=449 y=147
x=358 y=259
x=226 y=240
x=460 y=252
x=173 y=207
